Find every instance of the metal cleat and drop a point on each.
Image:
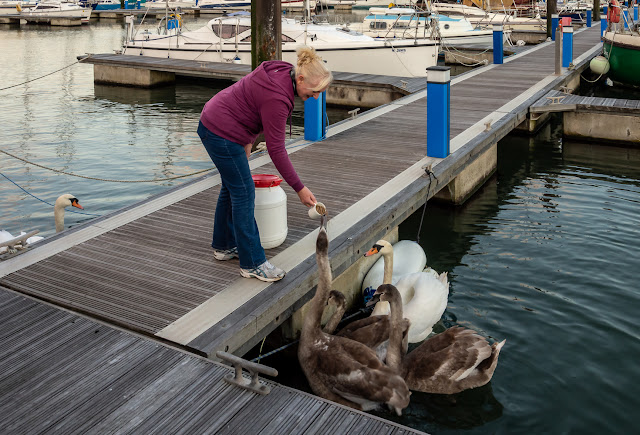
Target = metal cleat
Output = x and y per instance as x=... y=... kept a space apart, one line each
x=557 y=99
x=16 y=244
x=254 y=370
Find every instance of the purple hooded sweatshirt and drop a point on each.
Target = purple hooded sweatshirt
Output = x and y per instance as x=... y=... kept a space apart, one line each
x=261 y=101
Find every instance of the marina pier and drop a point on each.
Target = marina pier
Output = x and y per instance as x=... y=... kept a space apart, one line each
x=148 y=269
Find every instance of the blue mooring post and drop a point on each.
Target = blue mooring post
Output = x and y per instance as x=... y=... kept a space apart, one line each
x=555 y=19
x=603 y=24
x=635 y=13
x=438 y=111
x=567 y=46
x=498 y=53
x=588 y=18
x=314 y=117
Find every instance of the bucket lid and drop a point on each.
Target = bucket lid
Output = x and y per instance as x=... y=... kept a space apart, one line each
x=266 y=180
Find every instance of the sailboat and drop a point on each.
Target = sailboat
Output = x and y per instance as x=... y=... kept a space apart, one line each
x=228 y=39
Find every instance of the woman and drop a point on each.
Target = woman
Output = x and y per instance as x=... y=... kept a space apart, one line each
x=229 y=124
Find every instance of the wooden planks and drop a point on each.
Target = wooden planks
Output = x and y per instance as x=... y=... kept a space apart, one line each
x=152 y=271
x=556 y=101
x=221 y=70
x=61 y=373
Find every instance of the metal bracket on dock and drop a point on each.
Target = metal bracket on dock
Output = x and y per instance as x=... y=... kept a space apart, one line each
x=16 y=244
x=404 y=84
x=254 y=370
x=556 y=99
x=354 y=113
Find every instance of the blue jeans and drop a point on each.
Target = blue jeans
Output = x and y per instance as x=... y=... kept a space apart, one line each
x=234 y=223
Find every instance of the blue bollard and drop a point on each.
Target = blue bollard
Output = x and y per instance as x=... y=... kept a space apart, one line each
x=567 y=46
x=603 y=24
x=635 y=13
x=315 y=117
x=438 y=111
x=588 y=18
x=555 y=19
x=498 y=53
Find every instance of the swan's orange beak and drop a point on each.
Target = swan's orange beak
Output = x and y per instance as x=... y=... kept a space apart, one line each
x=75 y=203
x=372 y=251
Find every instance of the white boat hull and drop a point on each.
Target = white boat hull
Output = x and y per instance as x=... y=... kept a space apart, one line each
x=48 y=10
x=228 y=39
x=396 y=58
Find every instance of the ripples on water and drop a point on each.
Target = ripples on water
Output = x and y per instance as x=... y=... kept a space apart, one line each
x=544 y=256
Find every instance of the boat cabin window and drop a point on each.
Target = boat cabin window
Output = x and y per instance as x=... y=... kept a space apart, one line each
x=285 y=38
x=377 y=25
x=226 y=31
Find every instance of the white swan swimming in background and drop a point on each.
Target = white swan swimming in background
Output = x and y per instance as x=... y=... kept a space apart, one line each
x=424 y=294
x=62 y=202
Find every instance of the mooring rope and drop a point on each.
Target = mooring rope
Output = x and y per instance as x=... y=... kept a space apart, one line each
x=104 y=179
x=259 y=357
x=42 y=200
x=257 y=152
x=38 y=78
x=424 y=209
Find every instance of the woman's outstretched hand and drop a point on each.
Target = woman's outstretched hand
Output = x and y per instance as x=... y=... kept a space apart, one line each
x=306 y=197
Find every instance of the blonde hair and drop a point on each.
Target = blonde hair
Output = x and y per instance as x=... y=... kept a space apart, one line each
x=312 y=67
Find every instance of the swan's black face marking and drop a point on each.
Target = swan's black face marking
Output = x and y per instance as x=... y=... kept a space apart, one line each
x=373 y=251
x=76 y=203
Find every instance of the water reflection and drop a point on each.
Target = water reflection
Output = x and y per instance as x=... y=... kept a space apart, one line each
x=466 y=410
x=131 y=96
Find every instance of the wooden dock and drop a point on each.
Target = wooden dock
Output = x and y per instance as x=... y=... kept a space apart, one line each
x=41 y=19
x=62 y=373
x=593 y=118
x=348 y=89
x=148 y=268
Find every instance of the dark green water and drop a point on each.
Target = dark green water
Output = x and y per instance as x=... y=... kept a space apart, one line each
x=544 y=256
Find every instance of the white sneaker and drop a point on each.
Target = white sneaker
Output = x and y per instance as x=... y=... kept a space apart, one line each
x=225 y=254
x=265 y=272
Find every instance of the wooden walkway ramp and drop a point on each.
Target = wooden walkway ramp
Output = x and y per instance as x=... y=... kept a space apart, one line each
x=62 y=373
x=558 y=101
x=232 y=71
x=149 y=268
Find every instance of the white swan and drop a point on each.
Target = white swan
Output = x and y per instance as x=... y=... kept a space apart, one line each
x=447 y=363
x=62 y=202
x=340 y=369
x=410 y=258
x=424 y=294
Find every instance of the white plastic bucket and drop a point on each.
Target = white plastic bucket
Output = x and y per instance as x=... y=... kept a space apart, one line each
x=270 y=210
